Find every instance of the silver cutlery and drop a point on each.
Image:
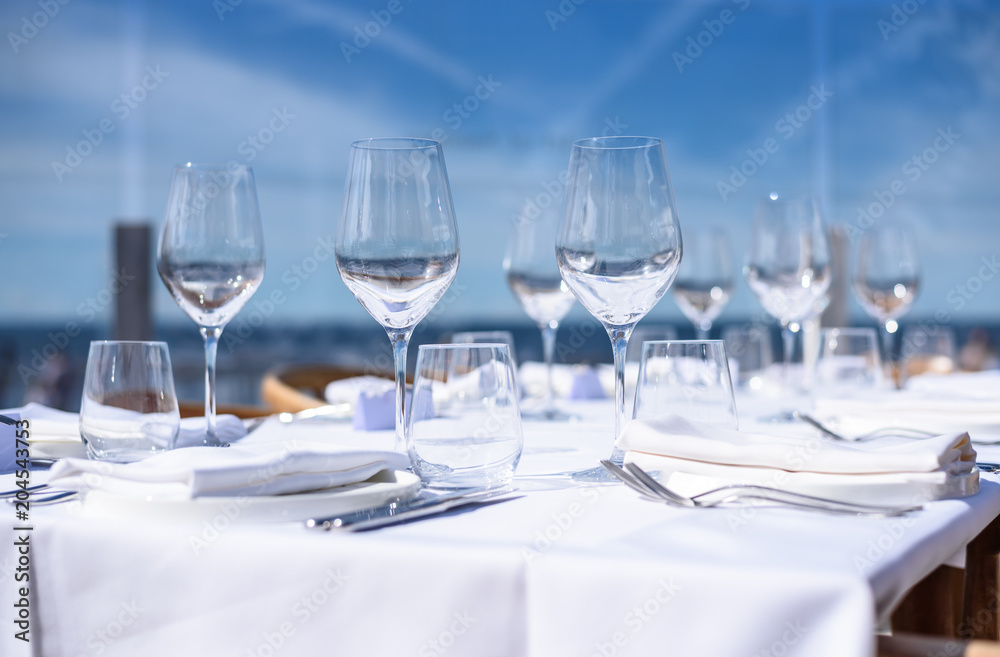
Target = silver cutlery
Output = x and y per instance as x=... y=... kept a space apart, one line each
x=639 y=480
x=410 y=509
x=903 y=432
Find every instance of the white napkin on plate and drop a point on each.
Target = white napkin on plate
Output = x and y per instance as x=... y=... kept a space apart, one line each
x=56 y=434
x=346 y=391
x=696 y=457
x=239 y=470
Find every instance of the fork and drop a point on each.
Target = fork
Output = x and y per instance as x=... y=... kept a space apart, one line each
x=871 y=435
x=639 y=480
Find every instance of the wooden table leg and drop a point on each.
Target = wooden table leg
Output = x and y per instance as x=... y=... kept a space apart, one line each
x=981 y=608
x=933 y=605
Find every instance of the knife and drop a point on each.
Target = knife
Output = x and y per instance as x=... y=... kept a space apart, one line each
x=398 y=512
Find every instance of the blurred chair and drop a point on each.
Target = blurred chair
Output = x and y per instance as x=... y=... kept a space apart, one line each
x=294 y=388
x=244 y=411
x=913 y=645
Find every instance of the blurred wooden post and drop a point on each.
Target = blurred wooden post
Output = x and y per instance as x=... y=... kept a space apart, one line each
x=133 y=268
x=838 y=313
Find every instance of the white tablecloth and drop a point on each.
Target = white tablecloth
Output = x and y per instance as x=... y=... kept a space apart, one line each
x=564 y=570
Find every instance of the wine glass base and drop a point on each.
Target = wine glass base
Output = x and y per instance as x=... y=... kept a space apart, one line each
x=596 y=475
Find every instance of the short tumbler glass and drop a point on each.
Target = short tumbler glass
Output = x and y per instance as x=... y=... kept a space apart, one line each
x=129 y=408
x=464 y=426
x=689 y=378
x=849 y=360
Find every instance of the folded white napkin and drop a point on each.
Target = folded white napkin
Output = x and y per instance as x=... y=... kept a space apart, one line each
x=936 y=411
x=696 y=457
x=974 y=385
x=532 y=377
x=239 y=470
x=346 y=391
x=56 y=434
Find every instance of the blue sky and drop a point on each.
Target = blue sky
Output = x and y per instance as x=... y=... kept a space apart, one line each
x=608 y=66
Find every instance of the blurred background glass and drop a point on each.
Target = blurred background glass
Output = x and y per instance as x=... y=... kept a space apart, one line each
x=879 y=113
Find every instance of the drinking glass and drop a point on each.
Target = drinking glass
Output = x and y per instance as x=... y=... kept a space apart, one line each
x=705 y=279
x=927 y=348
x=646 y=333
x=480 y=337
x=533 y=276
x=849 y=360
x=211 y=255
x=129 y=407
x=887 y=278
x=473 y=436
x=788 y=266
x=689 y=378
x=748 y=349
x=619 y=243
x=397 y=242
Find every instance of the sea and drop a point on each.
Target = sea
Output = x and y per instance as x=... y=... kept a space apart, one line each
x=46 y=362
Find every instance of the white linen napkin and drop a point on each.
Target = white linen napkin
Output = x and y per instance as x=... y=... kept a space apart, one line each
x=696 y=457
x=938 y=411
x=239 y=470
x=346 y=391
x=56 y=434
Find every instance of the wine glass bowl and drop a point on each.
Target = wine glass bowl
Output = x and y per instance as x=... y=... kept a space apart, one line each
x=886 y=278
x=788 y=267
x=704 y=282
x=619 y=243
x=211 y=254
x=534 y=278
x=397 y=240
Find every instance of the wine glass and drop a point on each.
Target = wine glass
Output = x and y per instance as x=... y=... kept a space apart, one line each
x=211 y=254
x=788 y=266
x=886 y=279
x=397 y=242
x=705 y=280
x=533 y=277
x=619 y=243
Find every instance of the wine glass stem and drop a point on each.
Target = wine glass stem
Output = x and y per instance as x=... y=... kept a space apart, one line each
x=788 y=342
x=886 y=344
x=704 y=330
x=400 y=341
x=619 y=342
x=549 y=351
x=211 y=336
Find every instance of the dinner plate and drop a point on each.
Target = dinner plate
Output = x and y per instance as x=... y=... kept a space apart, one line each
x=386 y=486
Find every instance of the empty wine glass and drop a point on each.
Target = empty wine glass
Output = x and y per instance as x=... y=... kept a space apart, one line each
x=534 y=278
x=211 y=254
x=397 y=243
x=886 y=279
x=619 y=242
x=788 y=266
x=705 y=279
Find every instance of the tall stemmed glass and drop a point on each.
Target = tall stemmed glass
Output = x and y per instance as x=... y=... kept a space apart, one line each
x=886 y=279
x=705 y=279
x=788 y=266
x=211 y=254
x=397 y=243
x=619 y=243
x=533 y=277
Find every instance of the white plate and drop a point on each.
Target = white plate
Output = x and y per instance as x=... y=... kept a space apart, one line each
x=384 y=487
